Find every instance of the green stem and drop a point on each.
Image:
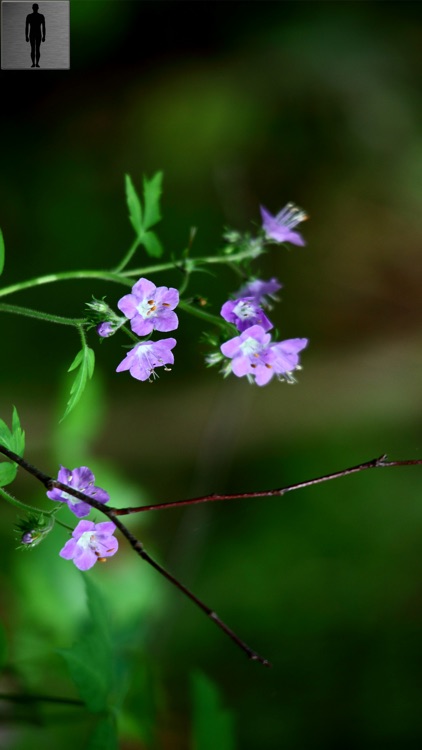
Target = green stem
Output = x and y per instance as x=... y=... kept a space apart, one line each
x=223 y=259
x=78 y=322
x=64 y=525
x=199 y=313
x=120 y=278
x=130 y=334
x=65 y=276
x=18 y=310
x=128 y=257
x=82 y=334
x=22 y=506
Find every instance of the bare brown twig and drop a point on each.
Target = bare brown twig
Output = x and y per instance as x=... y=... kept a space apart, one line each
x=113 y=513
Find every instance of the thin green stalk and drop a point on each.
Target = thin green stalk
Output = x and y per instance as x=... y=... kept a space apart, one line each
x=199 y=313
x=120 y=278
x=28 y=313
x=78 y=322
x=65 y=276
x=223 y=259
x=61 y=523
x=128 y=257
x=130 y=334
x=22 y=506
x=82 y=334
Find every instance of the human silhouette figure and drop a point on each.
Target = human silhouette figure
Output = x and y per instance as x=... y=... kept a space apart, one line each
x=35 y=25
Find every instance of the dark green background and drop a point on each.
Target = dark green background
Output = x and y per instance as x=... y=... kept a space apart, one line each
x=239 y=104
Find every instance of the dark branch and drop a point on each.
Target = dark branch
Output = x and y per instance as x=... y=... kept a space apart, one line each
x=375 y=463
x=49 y=483
x=113 y=513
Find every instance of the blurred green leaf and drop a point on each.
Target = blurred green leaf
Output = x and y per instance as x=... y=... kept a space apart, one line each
x=134 y=205
x=152 y=194
x=213 y=726
x=85 y=360
x=14 y=440
x=91 y=660
x=104 y=736
x=152 y=244
x=74 y=435
x=7 y=473
x=2 y=251
x=3 y=646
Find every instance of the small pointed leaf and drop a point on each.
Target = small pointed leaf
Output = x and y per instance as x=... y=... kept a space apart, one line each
x=85 y=361
x=152 y=244
x=134 y=205
x=13 y=439
x=152 y=194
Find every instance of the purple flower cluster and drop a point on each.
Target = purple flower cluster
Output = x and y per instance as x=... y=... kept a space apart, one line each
x=148 y=308
x=253 y=354
x=90 y=542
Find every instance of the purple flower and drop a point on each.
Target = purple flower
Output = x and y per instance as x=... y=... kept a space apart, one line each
x=81 y=479
x=260 y=290
x=253 y=355
x=145 y=356
x=279 y=227
x=244 y=313
x=91 y=542
x=105 y=329
x=150 y=307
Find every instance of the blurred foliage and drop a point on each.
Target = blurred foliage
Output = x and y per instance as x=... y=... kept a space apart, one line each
x=238 y=104
x=212 y=725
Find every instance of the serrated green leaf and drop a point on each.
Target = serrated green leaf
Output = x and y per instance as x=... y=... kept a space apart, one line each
x=5 y=434
x=2 y=252
x=134 y=205
x=213 y=726
x=8 y=473
x=91 y=659
x=18 y=434
x=152 y=244
x=104 y=736
x=152 y=194
x=14 y=440
x=85 y=361
x=16 y=425
x=77 y=361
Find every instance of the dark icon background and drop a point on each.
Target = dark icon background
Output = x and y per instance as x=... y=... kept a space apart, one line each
x=44 y=25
